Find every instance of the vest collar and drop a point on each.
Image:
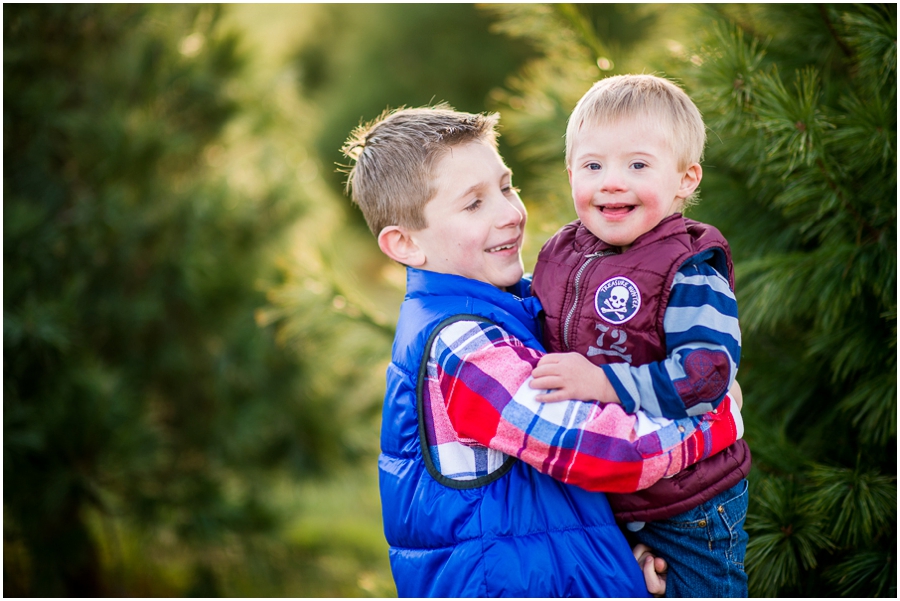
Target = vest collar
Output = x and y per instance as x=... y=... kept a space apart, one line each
x=519 y=302
x=674 y=224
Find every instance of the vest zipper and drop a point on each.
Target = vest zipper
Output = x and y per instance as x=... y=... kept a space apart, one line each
x=588 y=260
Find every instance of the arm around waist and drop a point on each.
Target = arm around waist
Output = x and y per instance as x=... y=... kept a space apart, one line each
x=481 y=375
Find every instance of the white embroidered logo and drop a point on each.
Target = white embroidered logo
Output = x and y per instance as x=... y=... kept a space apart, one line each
x=617 y=300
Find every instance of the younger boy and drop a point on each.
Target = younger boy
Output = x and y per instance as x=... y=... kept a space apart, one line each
x=647 y=295
x=469 y=504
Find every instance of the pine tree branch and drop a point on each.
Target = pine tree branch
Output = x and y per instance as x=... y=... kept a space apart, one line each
x=355 y=311
x=584 y=29
x=870 y=229
x=742 y=24
x=841 y=44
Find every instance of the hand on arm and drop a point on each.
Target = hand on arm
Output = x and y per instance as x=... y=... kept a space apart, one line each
x=570 y=376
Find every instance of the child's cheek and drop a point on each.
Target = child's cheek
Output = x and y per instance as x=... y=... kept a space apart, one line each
x=583 y=201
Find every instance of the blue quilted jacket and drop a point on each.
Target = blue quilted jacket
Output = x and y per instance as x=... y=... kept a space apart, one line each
x=514 y=533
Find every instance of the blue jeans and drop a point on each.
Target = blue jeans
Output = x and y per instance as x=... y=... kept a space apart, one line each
x=704 y=546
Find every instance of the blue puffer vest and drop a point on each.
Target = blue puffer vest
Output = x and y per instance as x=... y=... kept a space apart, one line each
x=514 y=533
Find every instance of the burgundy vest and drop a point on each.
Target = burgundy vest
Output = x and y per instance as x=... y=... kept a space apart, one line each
x=609 y=306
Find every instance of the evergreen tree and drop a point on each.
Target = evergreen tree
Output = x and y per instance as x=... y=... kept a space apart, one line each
x=800 y=175
x=801 y=101
x=147 y=190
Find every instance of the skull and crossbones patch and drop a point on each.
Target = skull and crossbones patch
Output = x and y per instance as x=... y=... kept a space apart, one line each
x=617 y=300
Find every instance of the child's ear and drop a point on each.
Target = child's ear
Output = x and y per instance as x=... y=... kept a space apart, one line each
x=396 y=242
x=690 y=180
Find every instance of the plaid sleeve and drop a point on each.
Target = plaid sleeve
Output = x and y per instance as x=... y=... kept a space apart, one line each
x=482 y=375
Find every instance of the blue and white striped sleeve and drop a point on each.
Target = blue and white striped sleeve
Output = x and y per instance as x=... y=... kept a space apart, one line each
x=703 y=349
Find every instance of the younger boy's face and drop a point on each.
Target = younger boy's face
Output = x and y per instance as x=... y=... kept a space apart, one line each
x=476 y=221
x=625 y=180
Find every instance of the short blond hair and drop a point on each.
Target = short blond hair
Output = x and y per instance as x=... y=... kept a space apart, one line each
x=643 y=96
x=392 y=178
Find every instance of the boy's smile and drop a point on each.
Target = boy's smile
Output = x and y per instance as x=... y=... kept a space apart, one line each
x=476 y=221
x=625 y=179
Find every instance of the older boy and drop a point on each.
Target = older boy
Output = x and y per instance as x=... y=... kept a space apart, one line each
x=469 y=504
x=647 y=295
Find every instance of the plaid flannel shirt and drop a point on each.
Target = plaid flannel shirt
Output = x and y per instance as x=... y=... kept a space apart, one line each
x=479 y=409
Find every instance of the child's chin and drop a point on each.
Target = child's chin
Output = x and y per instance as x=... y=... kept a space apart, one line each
x=512 y=280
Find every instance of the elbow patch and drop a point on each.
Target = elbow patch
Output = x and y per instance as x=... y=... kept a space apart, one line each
x=706 y=377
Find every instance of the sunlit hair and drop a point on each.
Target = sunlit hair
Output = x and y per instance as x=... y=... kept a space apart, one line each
x=647 y=97
x=394 y=156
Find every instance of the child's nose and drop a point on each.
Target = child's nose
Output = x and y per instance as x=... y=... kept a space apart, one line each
x=612 y=181
x=513 y=213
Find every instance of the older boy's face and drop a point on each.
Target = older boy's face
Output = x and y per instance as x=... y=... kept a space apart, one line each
x=625 y=180
x=476 y=221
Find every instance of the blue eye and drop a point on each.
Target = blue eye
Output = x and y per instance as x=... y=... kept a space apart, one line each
x=593 y=166
x=639 y=165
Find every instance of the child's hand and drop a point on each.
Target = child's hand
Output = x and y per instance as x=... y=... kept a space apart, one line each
x=571 y=376
x=654 y=569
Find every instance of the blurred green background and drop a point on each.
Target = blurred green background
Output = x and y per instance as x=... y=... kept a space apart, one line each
x=197 y=322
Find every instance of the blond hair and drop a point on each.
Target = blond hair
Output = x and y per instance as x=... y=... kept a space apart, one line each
x=395 y=154
x=649 y=97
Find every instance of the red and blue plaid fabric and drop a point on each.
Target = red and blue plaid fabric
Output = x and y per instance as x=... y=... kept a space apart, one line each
x=479 y=409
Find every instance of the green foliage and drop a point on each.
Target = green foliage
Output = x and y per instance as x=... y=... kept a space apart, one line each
x=856 y=503
x=147 y=191
x=872 y=573
x=784 y=537
x=800 y=175
x=363 y=58
x=814 y=136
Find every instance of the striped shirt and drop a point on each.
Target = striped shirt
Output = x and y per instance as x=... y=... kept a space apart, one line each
x=703 y=349
x=479 y=409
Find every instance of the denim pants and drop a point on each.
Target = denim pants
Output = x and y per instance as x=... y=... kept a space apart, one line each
x=704 y=546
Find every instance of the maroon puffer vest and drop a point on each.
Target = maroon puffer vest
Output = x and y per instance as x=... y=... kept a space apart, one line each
x=578 y=278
